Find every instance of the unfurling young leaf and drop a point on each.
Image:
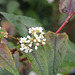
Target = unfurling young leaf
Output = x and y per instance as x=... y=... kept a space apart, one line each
x=47 y=59
x=6 y=60
x=67 y=6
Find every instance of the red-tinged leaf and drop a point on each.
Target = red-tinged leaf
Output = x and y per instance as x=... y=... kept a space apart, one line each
x=6 y=60
x=67 y=6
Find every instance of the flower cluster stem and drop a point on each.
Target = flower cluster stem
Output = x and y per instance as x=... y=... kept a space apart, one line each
x=68 y=18
x=13 y=37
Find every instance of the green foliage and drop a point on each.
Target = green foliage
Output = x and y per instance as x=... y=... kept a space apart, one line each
x=21 y=22
x=6 y=60
x=11 y=45
x=3 y=32
x=2 y=1
x=4 y=72
x=12 y=9
x=16 y=59
x=69 y=59
x=47 y=59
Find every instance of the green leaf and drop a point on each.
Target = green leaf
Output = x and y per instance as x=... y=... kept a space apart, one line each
x=47 y=59
x=11 y=45
x=70 y=55
x=4 y=72
x=21 y=22
x=2 y=35
x=16 y=59
x=11 y=9
x=6 y=60
x=2 y=2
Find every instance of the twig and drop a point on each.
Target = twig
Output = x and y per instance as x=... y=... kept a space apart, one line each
x=13 y=38
x=68 y=18
x=13 y=50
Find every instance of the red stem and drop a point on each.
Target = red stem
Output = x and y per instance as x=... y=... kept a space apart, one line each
x=13 y=37
x=68 y=18
x=13 y=50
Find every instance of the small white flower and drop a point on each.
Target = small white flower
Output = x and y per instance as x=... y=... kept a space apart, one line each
x=22 y=45
x=21 y=49
x=43 y=43
x=30 y=30
x=33 y=28
x=0 y=27
x=30 y=50
x=34 y=40
x=23 y=40
x=28 y=37
x=35 y=35
x=44 y=39
x=37 y=44
x=59 y=74
x=28 y=41
x=39 y=40
x=42 y=32
x=50 y=1
x=40 y=29
x=25 y=47
x=41 y=36
x=26 y=51
x=32 y=73
x=30 y=45
x=36 y=47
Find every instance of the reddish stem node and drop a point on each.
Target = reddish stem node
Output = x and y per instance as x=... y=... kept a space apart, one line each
x=68 y=18
x=13 y=51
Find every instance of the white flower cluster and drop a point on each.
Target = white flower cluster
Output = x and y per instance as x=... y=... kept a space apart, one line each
x=0 y=27
x=35 y=38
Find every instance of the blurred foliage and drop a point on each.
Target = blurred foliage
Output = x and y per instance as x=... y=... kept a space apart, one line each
x=46 y=13
x=38 y=9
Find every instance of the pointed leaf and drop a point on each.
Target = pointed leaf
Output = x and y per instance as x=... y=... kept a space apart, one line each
x=47 y=59
x=6 y=60
x=21 y=22
x=67 y=6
